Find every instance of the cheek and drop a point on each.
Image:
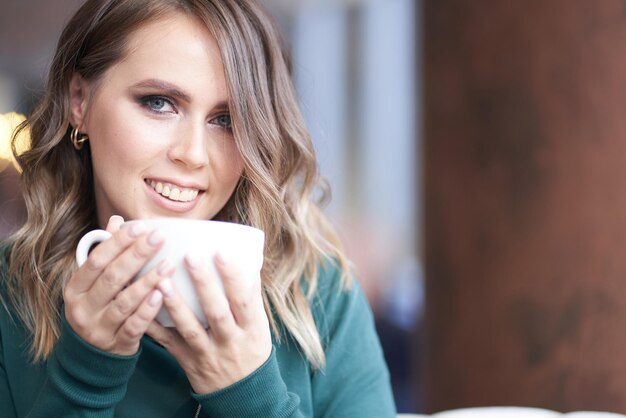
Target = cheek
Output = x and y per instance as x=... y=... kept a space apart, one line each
x=222 y=149
x=231 y=163
x=125 y=144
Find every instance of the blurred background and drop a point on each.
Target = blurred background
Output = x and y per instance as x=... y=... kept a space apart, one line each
x=476 y=150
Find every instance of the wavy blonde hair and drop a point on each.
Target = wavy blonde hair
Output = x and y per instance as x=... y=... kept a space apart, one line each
x=280 y=191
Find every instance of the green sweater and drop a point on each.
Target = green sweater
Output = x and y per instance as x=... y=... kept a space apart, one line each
x=79 y=380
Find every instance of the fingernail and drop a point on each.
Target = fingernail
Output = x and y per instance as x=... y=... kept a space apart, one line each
x=165 y=286
x=165 y=267
x=155 y=298
x=155 y=238
x=136 y=229
x=193 y=259
x=116 y=218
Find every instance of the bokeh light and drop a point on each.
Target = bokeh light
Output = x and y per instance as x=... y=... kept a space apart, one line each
x=8 y=124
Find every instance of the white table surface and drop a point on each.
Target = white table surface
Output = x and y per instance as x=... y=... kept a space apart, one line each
x=512 y=412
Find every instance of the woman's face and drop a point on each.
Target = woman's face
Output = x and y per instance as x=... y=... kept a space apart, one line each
x=159 y=127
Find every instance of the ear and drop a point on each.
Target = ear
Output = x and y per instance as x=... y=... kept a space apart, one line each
x=79 y=94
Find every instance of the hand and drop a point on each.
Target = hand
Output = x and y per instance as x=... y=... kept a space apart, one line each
x=238 y=340
x=100 y=304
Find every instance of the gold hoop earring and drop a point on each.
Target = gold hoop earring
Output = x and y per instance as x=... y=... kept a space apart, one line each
x=78 y=139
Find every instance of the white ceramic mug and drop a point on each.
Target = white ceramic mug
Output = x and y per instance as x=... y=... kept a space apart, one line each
x=240 y=244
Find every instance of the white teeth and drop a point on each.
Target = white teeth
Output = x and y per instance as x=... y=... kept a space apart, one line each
x=174 y=193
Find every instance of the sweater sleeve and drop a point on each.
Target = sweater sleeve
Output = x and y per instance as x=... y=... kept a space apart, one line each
x=355 y=381
x=82 y=380
x=261 y=394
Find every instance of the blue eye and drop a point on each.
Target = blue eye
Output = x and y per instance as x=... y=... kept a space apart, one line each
x=223 y=121
x=157 y=104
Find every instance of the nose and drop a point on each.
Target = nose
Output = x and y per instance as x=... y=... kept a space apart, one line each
x=189 y=146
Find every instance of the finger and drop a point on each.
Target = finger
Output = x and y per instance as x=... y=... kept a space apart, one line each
x=135 y=326
x=167 y=338
x=185 y=321
x=124 y=268
x=211 y=295
x=102 y=256
x=243 y=293
x=127 y=301
x=115 y=222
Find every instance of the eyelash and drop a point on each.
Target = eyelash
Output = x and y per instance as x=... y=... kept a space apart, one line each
x=146 y=102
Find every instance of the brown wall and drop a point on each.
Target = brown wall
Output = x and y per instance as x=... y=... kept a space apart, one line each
x=525 y=203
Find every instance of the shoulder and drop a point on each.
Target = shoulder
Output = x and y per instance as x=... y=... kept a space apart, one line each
x=329 y=279
x=331 y=289
x=5 y=248
x=335 y=303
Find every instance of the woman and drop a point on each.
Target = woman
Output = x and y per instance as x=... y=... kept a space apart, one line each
x=177 y=108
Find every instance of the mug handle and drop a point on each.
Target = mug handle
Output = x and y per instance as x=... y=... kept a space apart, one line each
x=87 y=241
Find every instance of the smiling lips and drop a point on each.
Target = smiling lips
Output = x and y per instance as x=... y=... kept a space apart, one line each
x=172 y=192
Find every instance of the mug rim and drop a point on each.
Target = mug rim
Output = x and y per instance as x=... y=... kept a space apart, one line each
x=189 y=221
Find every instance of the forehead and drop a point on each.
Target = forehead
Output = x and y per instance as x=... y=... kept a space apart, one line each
x=176 y=48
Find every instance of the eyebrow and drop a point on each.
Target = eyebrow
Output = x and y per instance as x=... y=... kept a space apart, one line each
x=172 y=90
